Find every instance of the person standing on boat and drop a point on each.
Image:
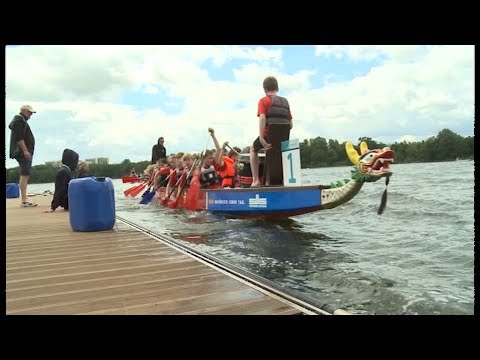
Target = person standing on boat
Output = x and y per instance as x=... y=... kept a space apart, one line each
x=270 y=107
x=158 y=151
x=22 y=144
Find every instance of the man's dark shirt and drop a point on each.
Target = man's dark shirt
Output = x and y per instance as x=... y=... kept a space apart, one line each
x=20 y=130
x=158 y=152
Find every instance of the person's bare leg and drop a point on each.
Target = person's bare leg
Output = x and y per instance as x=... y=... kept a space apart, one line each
x=23 y=186
x=254 y=167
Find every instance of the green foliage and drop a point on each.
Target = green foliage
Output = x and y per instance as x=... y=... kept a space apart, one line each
x=446 y=146
x=47 y=173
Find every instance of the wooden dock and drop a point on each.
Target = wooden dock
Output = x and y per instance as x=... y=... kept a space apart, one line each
x=51 y=269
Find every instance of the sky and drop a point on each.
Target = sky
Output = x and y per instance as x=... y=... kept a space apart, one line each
x=115 y=101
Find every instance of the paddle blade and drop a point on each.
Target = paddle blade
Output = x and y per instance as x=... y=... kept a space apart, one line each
x=137 y=191
x=193 y=192
x=181 y=199
x=133 y=188
x=147 y=198
x=383 y=202
x=146 y=192
x=172 y=203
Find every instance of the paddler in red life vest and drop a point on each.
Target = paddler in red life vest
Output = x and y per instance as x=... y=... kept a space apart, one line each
x=228 y=171
x=175 y=169
x=187 y=161
x=179 y=167
x=226 y=164
x=172 y=180
x=161 y=173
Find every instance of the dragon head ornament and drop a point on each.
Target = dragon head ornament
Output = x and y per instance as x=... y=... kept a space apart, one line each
x=370 y=165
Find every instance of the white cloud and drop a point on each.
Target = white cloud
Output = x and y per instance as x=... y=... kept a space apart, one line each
x=371 y=52
x=78 y=90
x=407 y=138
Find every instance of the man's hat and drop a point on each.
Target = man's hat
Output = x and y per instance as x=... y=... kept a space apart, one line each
x=27 y=107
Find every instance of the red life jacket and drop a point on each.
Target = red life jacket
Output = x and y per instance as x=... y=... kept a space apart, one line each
x=228 y=172
x=164 y=171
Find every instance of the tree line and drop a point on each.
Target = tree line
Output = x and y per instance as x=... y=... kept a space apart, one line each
x=446 y=146
x=317 y=152
x=46 y=173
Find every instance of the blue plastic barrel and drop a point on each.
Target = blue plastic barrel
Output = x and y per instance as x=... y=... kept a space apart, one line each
x=91 y=203
x=13 y=191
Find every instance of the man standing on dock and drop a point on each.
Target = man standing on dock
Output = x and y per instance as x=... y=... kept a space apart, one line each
x=22 y=145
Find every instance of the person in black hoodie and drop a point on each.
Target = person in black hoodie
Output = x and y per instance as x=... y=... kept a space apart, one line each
x=63 y=177
x=158 y=151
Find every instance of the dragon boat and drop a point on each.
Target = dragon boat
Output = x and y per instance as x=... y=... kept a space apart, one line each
x=279 y=201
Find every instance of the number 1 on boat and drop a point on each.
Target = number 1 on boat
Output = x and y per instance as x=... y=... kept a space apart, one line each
x=291 y=163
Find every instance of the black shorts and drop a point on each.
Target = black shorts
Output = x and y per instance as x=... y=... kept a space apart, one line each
x=257 y=145
x=25 y=166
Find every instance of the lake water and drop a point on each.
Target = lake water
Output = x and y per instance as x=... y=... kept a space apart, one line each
x=415 y=258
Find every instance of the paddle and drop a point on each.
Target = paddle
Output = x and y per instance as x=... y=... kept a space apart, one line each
x=383 y=202
x=149 y=172
x=173 y=202
x=133 y=188
x=193 y=191
x=137 y=191
x=165 y=200
x=149 y=196
x=194 y=188
x=236 y=152
x=146 y=192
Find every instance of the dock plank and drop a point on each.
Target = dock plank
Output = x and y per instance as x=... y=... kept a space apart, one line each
x=51 y=269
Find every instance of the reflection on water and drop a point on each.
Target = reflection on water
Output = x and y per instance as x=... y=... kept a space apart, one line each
x=194 y=239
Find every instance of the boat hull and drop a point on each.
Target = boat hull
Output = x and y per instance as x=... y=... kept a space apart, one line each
x=272 y=201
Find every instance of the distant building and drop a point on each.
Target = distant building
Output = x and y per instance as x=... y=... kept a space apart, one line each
x=102 y=161
x=98 y=160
